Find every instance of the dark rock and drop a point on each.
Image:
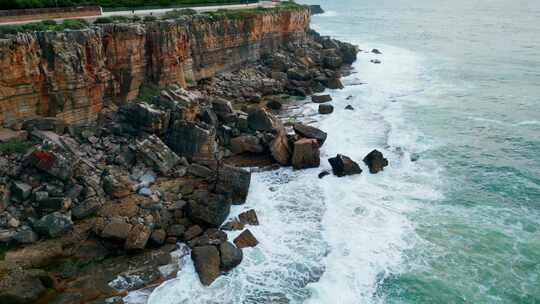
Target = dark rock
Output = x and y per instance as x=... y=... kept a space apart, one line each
x=415 y=157
x=26 y=236
x=375 y=161
x=176 y=230
x=19 y=286
x=259 y=119
x=234 y=182
x=245 y=239
x=323 y=174
x=20 y=191
x=316 y=9
x=147 y=118
x=310 y=132
x=211 y=236
x=321 y=98
x=200 y=171
x=306 y=154
x=249 y=217
x=333 y=83
x=349 y=107
x=298 y=74
x=191 y=140
x=208 y=208
x=207 y=263
x=231 y=256
x=375 y=61
x=56 y=125
x=158 y=237
x=274 y=104
x=52 y=204
x=192 y=232
x=156 y=154
x=138 y=237
x=376 y=51
x=343 y=165
x=326 y=109
x=246 y=143
x=51 y=162
x=333 y=62
x=116 y=229
x=53 y=225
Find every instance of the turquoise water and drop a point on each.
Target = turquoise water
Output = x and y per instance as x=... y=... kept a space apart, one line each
x=479 y=108
x=459 y=86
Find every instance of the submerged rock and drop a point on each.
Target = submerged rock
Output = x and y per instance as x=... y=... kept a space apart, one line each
x=375 y=161
x=376 y=51
x=349 y=107
x=321 y=98
x=343 y=165
x=326 y=109
x=231 y=256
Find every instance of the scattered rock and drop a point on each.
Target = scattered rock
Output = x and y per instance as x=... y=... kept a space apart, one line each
x=146 y=117
x=25 y=236
x=375 y=61
x=343 y=165
x=20 y=191
x=259 y=119
x=193 y=232
x=321 y=98
x=375 y=161
x=208 y=208
x=137 y=237
x=231 y=256
x=85 y=208
x=191 y=140
x=326 y=109
x=349 y=107
x=22 y=285
x=310 y=132
x=376 y=51
x=323 y=174
x=248 y=218
x=306 y=154
x=156 y=154
x=51 y=162
x=207 y=263
x=245 y=239
x=116 y=229
x=246 y=143
x=53 y=225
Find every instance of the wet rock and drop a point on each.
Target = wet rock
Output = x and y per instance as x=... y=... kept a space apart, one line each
x=116 y=229
x=333 y=83
x=375 y=61
x=326 y=109
x=280 y=148
x=234 y=182
x=147 y=118
x=323 y=174
x=52 y=204
x=343 y=165
x=310 y=132
x=52 y=163
x=246 y=143
x=191 y=140
x=207 y=263
x=306 y=154
x=231 y=256
x=53 y=225
x=348 y=52
x=376 y=51
x=321 y=98
x=333 y=62
x=375 y=161
x=192 y=232
x=259 y=119
x=415 y=157
x=316 y=9
x=20 y=191
x=249 y=217
x=156 y=154
x=298 y=74
x=137 y=237
x=245 y=239
x=349 y=107
x=208 y=208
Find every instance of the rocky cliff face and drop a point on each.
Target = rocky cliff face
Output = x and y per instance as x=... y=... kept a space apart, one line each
x=74 y=74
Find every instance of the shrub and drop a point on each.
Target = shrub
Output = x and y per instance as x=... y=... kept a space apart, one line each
x=74 y=24
x=14 y=146
x=149 y=18
x=136 y=18
x=103 y=20
x=178 y=13
x=121 y=19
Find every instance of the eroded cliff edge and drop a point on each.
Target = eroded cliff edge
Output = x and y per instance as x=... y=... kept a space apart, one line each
x=72 y=75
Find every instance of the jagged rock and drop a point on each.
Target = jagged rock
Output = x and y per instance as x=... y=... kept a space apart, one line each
x=54 y=124
x=280 y=148
x=231 y=256
x=259 y=119
x=274 y=104
x=145 y=117
x=245 y=239
x=316 y=9
x=137 y=237
x=116 y=229
x=222 y=108
x=207 y=262
x=234 y=182
x=323 y=174
x=321 y=98
x=192 y=232
x=52 y=204
x=326 y=109
x=191 y=140
x=298 y=74
x=200 y=171
x=306 y=154
x=333 y=83
x=343 y=165
x=208 y=208
x=158 y=236
x=333 y=62
x=20 y=191
x=156 y=154
x=349 y=107
x=26 y=236
x=52 y=163
x=376 y=51
x=211 y=236
x=310 y=132
x=53 y=225
x=348 y=52
x=375 y=61
x=375 y=161
x=246 y=143
x=249 y=217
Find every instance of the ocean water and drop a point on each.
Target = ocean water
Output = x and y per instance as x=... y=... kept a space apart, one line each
x=458 y=87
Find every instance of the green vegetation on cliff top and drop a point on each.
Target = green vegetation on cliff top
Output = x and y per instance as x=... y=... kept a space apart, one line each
x=24 y=4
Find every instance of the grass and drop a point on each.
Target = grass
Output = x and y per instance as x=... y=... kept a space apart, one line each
x=178 y=13
x=14 y=146
x=148 y=92
x=46 y=25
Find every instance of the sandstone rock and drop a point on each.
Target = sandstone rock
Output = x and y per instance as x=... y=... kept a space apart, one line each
x=231 y=256
x=147 y=118
x=53 y=225
x=222 y=107
x=176 y=230
x=52 y=163
x=310 y=132
x=333 y=83
x=245 y=239
x=45 y=124
x=211 y=236
x=326 y=109
x=193 y=232
x=343 y=165
x=208 y=208
x=158 y=237
x=116 y=229
x=321 y=98
x=281 y=149
x=207 y=262
x=348 y=52
x=156 y=154
x=52 y=204
x=137 y=237
x=233 y=182
x=86 y=208
x=375 y=161
x=306 y=154
x=246 y=143
x=249 y=217
x=191 y=140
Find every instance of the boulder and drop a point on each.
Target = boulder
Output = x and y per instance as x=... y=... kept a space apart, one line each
x=200 y=171
x=156 y=154
x=306 y=154
x=192 y=140
x=321 y=98
x=333 y=83
x=211 y=236
x=20 y=191
x=146 y=117
x=246 y=143
x=343 y=165
x=280 y=148
x=348 y=52
x=19 y=286
x=375 y=161
x=207 y=263
x=349 y=107
x=375 y=61
x=26 y=236
x=176 y=230
x=316 y=9
x=222 y=107
x=116 y=229
x=249 y=217
x=231 y=256
x=54 y=124
x=208 y=208
x=86 y=208
x=298 y=74
x=53 y=225
x=259 y=119
x=9 y=135
x=274 y=104
x=332 y=62
x=192 y=232
x=310 y=132
x=137 y=237
x=326 y=109
x=234 y=182
x=245 y=239
x=158 y=237
x=51 y=162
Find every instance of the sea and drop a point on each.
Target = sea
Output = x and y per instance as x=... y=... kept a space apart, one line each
x=455 y=218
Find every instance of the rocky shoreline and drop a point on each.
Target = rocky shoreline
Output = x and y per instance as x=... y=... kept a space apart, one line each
x=92 y=211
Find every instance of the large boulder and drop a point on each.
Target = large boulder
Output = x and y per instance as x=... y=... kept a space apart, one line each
x=208 y=208
x=116 y=229
x=310 y=132
x=51 y=162
x=343 y=165
x=138 y=237
x=192 y=140
x=222 y=108
x=348 y=52
x=245 y=239
x=207 y=263
x=375 y=161
x=53 y=225
x=147 y=118
x=231 y=256
x=306 y=154
x=156 y=154
x=259 y=119
x=20 y=191
x=233 y=182
x=246 y=143
x=280 y=148
x=333 y=62
x=298 y=74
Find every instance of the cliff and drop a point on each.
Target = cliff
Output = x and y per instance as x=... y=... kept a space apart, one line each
x=74 y=74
